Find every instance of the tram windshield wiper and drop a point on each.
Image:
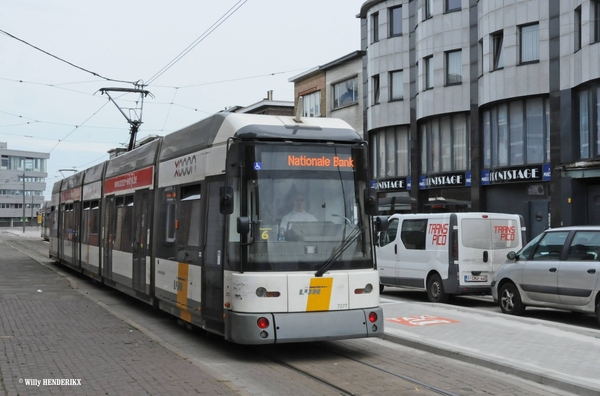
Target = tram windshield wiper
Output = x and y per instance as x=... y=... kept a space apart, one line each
x=350 y=239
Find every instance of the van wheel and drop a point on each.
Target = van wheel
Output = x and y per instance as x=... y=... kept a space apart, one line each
x=510 y=300
x=435 y=290
x=380 y=288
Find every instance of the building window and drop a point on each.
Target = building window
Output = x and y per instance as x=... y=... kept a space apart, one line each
x=497 y=48
x=345 y=93
x=4 y=164
x=375 y=89
x=529 y=45
x=395 y=21
x=589 y=122
x=517 y=133
x=312 y=105
x=453 y=67
x=391 y=154
x=396 y=85
x=480 y=58
x=428 y=62
x=428 y=9
x=445 y=144
x=577 y=26
x=452 y=5
x=375 y=27
x=596 y=15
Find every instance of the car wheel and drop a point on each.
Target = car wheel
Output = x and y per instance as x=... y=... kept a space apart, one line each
x=381 y=288
x=435 y=290
x=598 y=312
x=510 y=300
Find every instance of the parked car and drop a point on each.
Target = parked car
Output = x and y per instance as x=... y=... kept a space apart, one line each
x=446 y=253
x=558 y=269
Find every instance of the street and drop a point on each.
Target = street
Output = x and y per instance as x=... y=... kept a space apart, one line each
x=92 y=341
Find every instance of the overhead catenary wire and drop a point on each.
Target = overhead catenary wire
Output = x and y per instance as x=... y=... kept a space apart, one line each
x=201 y=38
x=65 y=61
x=78 y=126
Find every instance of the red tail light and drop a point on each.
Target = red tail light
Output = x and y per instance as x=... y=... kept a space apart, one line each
x=454 y=246
x=372 y=317
x=262 y=323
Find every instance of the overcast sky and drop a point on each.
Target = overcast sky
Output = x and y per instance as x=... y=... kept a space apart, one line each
x=242 y=50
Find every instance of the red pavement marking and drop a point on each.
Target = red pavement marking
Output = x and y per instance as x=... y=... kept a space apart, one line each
x=421 y=320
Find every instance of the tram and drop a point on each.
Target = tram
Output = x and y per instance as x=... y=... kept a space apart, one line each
x=45 y=223
x=192 y=223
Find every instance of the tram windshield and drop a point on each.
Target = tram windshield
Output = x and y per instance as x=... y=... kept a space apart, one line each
x=305 y=208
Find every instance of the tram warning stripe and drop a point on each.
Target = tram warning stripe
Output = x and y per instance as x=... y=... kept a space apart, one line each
x=421 y=320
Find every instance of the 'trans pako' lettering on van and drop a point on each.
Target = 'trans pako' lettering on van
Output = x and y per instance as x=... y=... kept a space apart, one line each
x=439 y=233
x=507 y=233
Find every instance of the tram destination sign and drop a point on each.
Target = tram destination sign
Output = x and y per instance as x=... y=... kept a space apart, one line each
x=312 y=161
x=130 y=181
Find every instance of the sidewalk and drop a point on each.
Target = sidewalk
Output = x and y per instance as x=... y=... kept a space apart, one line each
x=54 y=340
x=30 y=232
x=561 y=356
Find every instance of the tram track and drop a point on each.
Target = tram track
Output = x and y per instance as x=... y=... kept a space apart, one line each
x=349 y=376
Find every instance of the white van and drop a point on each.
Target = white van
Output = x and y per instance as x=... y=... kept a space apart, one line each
x=446 y=253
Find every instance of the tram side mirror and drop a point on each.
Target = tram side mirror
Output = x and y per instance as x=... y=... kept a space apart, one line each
x=226 y=200
x=371 y=201
x=243 y=225
x=381 y=223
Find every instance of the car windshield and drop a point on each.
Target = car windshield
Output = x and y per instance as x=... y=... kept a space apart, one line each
x=525 y=252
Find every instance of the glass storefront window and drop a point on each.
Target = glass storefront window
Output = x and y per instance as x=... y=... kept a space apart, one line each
x=444 y=144
x=516 y=133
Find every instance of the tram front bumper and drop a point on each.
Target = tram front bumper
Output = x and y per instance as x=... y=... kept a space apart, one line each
x=243 y=328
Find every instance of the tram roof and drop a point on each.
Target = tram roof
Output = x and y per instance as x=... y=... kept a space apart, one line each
x=216 y=129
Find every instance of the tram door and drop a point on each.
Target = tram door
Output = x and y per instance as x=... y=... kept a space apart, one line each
x=110 y=229
x=76 y=232
x=212 y=271
x=140 y=239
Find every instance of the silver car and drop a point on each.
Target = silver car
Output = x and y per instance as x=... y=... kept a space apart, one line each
x=557 y=269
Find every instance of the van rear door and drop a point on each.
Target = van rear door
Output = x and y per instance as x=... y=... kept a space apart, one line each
x=484 y=241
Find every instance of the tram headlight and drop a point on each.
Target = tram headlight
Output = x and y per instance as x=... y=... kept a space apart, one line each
x=262 y=292
x=262 y=323
x=365 y=290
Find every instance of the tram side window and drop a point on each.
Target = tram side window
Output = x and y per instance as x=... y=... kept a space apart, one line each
x=68 y=221
x=413 y=234
x=188 y=233
x=123 y=237
x=53 y=222
x=166 y=231
x=85 y=220
x=95 y=223
x=90 y=223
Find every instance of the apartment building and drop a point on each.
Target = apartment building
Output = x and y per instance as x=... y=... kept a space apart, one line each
x=485 y=106
x=333 y=90
x=22 y=185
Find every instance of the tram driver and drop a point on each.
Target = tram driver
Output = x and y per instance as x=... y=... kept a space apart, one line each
x=296 y=214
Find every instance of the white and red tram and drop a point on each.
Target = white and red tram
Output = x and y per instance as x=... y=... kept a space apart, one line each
x=192 y=223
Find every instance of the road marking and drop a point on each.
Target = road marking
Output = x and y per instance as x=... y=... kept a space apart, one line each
x=383 y=300
x=421 y=320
